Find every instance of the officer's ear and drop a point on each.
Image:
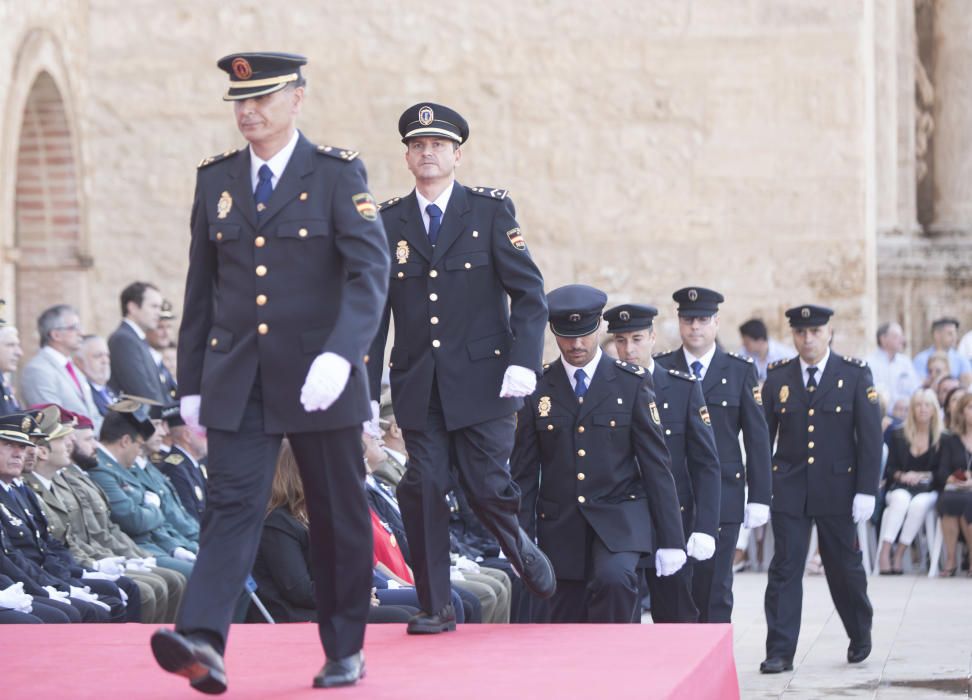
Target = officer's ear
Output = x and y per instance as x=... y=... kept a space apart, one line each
x=297 y=99
x=457 y=151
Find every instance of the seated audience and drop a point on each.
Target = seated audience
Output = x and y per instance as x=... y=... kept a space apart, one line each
x=10 y=354
x=954 y=475
x=94 y=360
x=944 y=340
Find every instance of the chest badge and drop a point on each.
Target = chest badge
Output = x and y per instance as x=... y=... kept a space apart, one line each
x=224 y=205
x=784 y=393
x=199 y=493
x=544 y=406
x=654 y=413
x=757 y=395
x=402 y=252
x=704 y=414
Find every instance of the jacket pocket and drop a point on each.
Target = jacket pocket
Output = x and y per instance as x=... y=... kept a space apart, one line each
x=497 y=345
x=467 y=261
x=398 y=360
x=223 y=233
x=303 y=228
x=220 y=339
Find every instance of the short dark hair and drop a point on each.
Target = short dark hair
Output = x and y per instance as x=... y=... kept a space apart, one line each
x=135 y=292
x=115 y=427
x=754 y=328
x=944 y=321
x=882 y=331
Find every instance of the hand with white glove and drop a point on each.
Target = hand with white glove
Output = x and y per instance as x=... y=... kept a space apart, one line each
x=518 y=382
x=151 y=499
x=326 y=379
x=84 y=594
x=189 y=408
x=863 y=507
x=669 y=561
x=110 y=565
x=136 y=565
x=56 y=594
x=700 y=546
x=756 y=515
x=13 y=598
x=148 y=561
x=371 y=427
x=466 y=564
x=124 y=595
x=100 y=604
x=183 y=554
x=99 y=576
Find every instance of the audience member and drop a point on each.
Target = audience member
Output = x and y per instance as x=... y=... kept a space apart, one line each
x=147 y=471
x=937 y=368
x=184 y=464
x=892 y=368
x=950 y=407
x=95 y=361
x=944 y=339
x=159 y=340
x=954 y=475
x=944 y=387
x=760 y=348
x=10 y=354
x=133 y=369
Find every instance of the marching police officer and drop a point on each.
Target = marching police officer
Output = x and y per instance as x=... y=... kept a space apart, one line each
x=734 y=402
x=591 y=463
x=822 y=409
x=287 y=277
x=695 y=460
x=469 y=318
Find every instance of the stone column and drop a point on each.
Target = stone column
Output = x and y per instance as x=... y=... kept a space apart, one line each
x=886 y=105
x=907 y=55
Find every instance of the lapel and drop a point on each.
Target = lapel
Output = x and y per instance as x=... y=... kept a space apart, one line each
x=659 y=376
x=240 y=186
x=715 y=372
x=14 y=506
x=413 y=228
x=601 y=388
x=678 y=361
x=562 y=396
x=454 y=221
x=60 y=371
x=290 y=183
x=826 y=382
x=798 y=396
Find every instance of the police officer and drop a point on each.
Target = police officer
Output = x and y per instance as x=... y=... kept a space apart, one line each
x=734 y=402
x=182 y=463
x=695 y=461
x=822 y=410
x=287 y=277
x=591 y=463
x=469 y=318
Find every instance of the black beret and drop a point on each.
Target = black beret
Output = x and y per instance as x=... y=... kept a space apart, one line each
x=630 y=317
x=575 y=310
x=697 y=301
x=255 y=74
x=808 y=315
x=429 y=119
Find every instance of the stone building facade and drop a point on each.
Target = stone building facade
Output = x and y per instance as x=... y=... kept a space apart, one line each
x=767 y=148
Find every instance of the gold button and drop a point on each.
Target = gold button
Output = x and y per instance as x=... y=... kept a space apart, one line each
x=468 y=266
x=219 y=236
x=543 y=516
x=302 y=233
x=581 y=476
x=260 y=241
x=433 y=296
x=632 y=496
x=214 y=342
x=263 y=329
x=549 y=426
x=401 y=275
x=580 y=429
x=809 y=428
x=434 y=320
x=581 y=453
x=612 y=423
x=581 y=499
x=433 y=273
x=261 y=270
x=391 y=364
x=366 y=358
x=667 y=431
x=723 y=380
x=775 y=468
x=810 y=444
x=303 y=196
x=810 y=461
x=261 y=299
x=810 y=412
x=738 y=475
x=436 y=343
x=838 y=409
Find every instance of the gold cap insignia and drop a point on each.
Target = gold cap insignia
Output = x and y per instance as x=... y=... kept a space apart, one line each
x=784 y=393
x=805 y=312
x=624 y=316
x=402 y=252
x=25 y=424
x=242 y=69
x=544 y=406
x=224 y=205
x=574 y=318
x=693 y=295
x=426 y=115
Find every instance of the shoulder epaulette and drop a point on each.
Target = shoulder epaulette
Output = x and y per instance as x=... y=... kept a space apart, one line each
x=663 y=354
x=175 y=458
x=548 y=366
x=855 y=361
x=747 y=360
x=389 y=203
x=682 y=375
x=778 y=363
x=339 y=153
x=216 y=158
x=493 y=192
x=630 y=367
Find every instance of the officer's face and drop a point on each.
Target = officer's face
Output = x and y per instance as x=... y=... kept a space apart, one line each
x=811 y=343
x=30 y=457
x=95 y=360
x=11 y=460
x=59 y=452
x=10 y=350
x=432 y=158
x=160 y=336
x=161 y=430
x=579 y=351
x=698 y=332
x=635 y=346
x=269 y=118
x=84 y=442
x=68 y=333
x=147 y=315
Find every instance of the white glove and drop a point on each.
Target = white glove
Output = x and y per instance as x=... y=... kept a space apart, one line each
x=109 y=565
x=100 y=604
x=518 y=382
x=84 y=594
x=700 y=546
x=189 y=408
x=455 y=574
x=757 y=515
x=863 y=507
x=183 y=554
x=326 y=379
x=371 y=427
x=14 y=598
x=124 y=595
x=152 y=499
x=669 y=561
x=465 y=564
x=56 y=594
x=148 y=561
x=136 y=565
x=99 y=576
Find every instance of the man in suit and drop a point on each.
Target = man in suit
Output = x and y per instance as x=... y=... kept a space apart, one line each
x=276 y=228
x=160 y=339
x=50 y=376
x=469 y=314
x=695 y=459
x=133 y=369
x=10 y=354
x=94 y=360
x=734 y=405
x=591 y=462
x=823 y=412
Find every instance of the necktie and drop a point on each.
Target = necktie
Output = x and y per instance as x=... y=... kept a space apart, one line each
x=580 y=388
x=74 y=376
x=264 y=188
x=697 y=369
x=435 y=221
x=811 y=382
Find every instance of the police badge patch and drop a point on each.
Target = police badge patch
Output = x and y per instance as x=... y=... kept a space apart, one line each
x=224 y=205
x=543 y=407
x=516 y=238
x=402 y=252
x=758 y=395
x=366 y=206
x=654 y=413
x=704 y=414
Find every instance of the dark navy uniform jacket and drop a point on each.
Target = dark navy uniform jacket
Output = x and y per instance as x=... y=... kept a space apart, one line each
x=828 y=442
x=733 y=398
x=691 y=443
x=463 y=313
x=188 y=481
x=601 y=463
x=309 y=276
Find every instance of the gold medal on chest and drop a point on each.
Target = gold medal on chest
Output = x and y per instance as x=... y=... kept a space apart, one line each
x=224 y=205
x=784 y=393
x=402 y=252
x=543 y=408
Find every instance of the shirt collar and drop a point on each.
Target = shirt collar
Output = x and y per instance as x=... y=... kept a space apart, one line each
x=135 y=327
x=820 y=367
x=442 y=201
x=44 y=481
x=706 y=359
x=277 y=163
x=589 y=369
x=56 y=355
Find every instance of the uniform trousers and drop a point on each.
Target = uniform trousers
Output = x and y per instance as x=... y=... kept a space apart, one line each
x=241 y=466
x=480 y=454
x=843 y=567
x=712 y=578
x=609 y=591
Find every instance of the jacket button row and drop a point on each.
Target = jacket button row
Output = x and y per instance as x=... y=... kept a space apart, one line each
x=260 y=241
x=261 y=299
x=436 y=343
x=581 y=476
x=261 y=270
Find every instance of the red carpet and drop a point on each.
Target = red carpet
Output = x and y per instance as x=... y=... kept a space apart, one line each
x=694 y=662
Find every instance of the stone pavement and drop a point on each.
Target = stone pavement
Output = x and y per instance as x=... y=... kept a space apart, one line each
x=922 y=640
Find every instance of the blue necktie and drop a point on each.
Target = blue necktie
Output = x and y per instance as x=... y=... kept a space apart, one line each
x=811 y=381
x=435 y=220
x=697 y=369
x=264 y=188
x=580 y=388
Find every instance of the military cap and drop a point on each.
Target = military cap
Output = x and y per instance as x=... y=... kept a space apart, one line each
x=697 y=301
x=808 y=315
x=135 y=410
x=575 y=310
x=53 y=422
x=78 y=420
x=169 y=413
x=429 y=119
x=630 y=317
x=15 y=427
x=255 y=74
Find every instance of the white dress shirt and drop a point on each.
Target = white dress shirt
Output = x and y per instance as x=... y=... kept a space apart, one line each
x=135 y=327
x=896 y=376
x=589 y=369
x=442 y=201
x=820 y=369
x=706 y=359
x=277 y=163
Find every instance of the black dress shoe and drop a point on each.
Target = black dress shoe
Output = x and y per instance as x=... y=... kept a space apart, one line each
x=338 y=672
x=538 y=573
x=858 y=651
x=433 y=623
x=191 y=658
x=776 y=664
